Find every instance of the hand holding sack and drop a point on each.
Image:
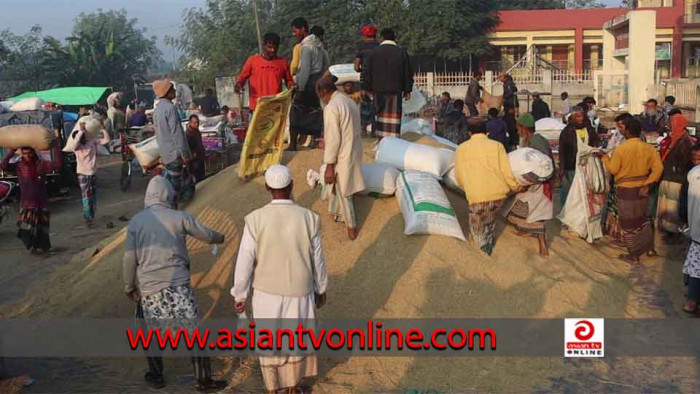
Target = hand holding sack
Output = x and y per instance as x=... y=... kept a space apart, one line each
x=146 y=151
x=92 y=130
x=530 y=166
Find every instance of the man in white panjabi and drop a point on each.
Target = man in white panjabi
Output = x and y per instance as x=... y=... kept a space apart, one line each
x=281 y=258
x=342 y=135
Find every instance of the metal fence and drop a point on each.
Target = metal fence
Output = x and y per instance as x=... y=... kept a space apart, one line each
x=564 y=76
x=685 y=92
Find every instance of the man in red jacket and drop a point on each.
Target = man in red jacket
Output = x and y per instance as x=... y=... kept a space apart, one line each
x=265 y=71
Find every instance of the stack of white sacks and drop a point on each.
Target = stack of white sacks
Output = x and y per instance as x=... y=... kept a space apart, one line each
x=414 y=173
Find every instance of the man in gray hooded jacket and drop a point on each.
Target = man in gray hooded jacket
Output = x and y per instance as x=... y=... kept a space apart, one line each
x=306 y=115
x=157 y=270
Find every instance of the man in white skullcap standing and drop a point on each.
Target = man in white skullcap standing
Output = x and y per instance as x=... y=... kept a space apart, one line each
x=289 y=280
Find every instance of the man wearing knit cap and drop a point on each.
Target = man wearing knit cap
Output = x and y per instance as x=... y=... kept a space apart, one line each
x=533 y=207
x=171 y=138
x=281 y=258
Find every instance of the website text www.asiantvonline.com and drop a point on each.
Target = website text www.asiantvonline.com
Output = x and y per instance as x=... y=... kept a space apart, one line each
x=373 y=337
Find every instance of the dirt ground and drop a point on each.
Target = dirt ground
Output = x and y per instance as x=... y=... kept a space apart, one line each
x=383 y=274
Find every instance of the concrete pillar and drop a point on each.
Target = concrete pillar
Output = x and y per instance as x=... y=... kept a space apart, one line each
x=430 y=81
x=610 y=62
x=642 y=51
x=547 y=86
x=578 y=49
x=488 y=81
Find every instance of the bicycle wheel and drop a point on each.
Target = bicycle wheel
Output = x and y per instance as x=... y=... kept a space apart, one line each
x=125 y=178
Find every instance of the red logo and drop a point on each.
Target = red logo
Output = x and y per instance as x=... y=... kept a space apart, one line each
x=584 y=330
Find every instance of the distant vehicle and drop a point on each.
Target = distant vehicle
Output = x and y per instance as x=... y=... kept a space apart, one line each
x=58 y=182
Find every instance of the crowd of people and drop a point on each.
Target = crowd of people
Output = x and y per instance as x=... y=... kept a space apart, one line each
x=280 y=269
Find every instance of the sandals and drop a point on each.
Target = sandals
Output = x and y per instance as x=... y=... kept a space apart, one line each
x=629 y=259
x=212 y=386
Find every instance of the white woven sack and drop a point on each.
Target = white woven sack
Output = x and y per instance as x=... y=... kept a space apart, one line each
x=406 y=155
x=146 y=151
x=380 y=180
x=28 y=104
x=530 y=166
x=450 y=182
x=344 y=73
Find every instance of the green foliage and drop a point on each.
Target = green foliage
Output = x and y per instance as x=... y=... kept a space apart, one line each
x=20 y=61
x=547 y=4
x=105 y=49
x=584 y=4
x=222 y=35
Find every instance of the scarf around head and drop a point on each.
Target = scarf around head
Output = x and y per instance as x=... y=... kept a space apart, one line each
x=678 y=125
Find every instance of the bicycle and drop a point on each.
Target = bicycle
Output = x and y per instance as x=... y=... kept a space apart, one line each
x=127 y=160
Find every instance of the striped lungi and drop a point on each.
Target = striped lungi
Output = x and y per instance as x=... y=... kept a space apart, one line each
x=518 y=218
x=89 y=194
x=612 y=220
x=387 y=110
x=482 y=223
x=637 y=231
x=34 y=227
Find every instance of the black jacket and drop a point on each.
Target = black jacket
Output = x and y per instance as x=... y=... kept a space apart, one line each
x=388 y=70
x=512 y=128
x=540 y=110
x=510 y=97
x=568 y=148
x=678 y=162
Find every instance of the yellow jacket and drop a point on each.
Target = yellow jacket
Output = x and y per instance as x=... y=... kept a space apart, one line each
x=483 y=170
x=296 y=59
x=634 y=159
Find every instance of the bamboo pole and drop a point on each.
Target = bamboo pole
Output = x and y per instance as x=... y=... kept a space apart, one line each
x=257 y=25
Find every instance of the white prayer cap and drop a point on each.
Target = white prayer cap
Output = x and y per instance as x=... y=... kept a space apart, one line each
x=278 y=176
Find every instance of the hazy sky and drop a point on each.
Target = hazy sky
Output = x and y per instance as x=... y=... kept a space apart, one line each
x=161 y=17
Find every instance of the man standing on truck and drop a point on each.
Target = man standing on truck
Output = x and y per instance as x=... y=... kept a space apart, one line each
x=265 y=71
x=172 y=140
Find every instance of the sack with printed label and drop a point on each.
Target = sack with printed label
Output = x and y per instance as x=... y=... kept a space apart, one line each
x=425 y=207
x=146 y=151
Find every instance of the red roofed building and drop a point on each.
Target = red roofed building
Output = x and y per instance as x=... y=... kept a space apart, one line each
x=573 y=39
